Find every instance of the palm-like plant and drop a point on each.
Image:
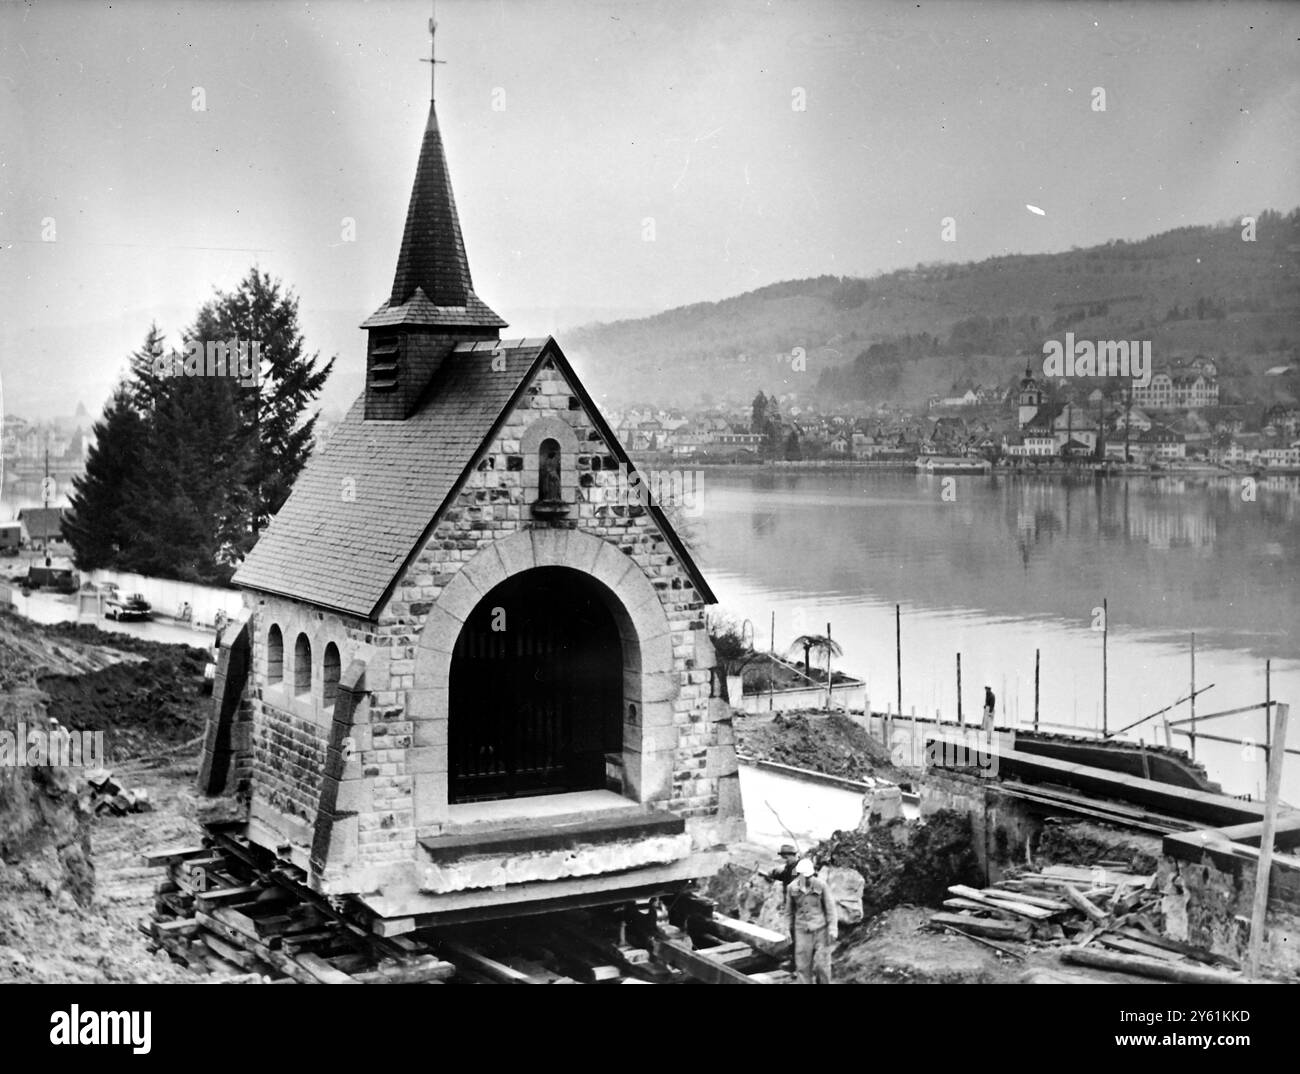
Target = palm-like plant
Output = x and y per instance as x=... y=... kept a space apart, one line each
x=730 y=646
x=820 y=643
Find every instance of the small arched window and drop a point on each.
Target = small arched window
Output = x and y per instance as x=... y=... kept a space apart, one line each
x=331 y=669
x=302 y=665
x=548 y=471
x=274 y=655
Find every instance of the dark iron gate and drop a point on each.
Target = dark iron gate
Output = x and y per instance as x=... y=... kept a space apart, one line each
x=535 y=690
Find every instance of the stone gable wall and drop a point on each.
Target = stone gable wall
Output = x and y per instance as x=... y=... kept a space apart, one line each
x=679 y=751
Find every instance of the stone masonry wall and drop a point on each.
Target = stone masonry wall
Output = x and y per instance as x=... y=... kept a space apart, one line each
x=291 y=733
x=495 y=504
x=290 y=730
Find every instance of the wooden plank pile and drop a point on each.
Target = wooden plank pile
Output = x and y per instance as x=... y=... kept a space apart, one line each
x=612 y=945
x=226 y=908
x=221 y=912
x=1082 y=910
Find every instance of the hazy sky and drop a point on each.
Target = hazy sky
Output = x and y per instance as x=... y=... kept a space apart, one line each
x=606 y=114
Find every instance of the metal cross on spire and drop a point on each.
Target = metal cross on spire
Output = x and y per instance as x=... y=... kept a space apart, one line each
x=433 y=60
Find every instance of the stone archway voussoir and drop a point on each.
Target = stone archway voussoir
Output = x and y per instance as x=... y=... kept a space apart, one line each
x=441 y=629
x=550 y=547
x=610 y=567
x=463 y=592
x=516 y=553
x=582 y=551
x=485 y=571
x=657 y=655
x=432 y=668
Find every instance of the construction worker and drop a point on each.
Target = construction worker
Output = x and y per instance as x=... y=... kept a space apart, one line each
x=785 y=873
x=988 y=709
x=814 y=927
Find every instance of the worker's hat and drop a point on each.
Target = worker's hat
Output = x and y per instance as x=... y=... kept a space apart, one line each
x=804 y=868
x=787 y=848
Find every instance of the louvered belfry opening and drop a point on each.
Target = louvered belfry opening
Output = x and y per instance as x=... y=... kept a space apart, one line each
x=535 y=690
x=401 y=364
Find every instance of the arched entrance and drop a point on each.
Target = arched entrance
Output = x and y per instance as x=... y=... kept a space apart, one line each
x=535 y=689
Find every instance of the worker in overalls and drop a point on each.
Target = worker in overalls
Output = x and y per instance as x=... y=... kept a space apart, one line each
x=810 y=910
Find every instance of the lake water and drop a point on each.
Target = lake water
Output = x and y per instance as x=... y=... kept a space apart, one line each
x=1014 y=564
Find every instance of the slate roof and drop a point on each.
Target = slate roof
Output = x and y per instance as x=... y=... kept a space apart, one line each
x=432 y=284
x=419 y=310
x=42 y=522
x=346 y=554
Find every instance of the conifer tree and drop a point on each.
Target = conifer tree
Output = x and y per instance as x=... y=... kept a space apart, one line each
x=271 y=412
x=187 y=499
x=96 y=527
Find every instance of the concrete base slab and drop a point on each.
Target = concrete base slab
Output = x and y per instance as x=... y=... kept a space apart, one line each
x=533 y=897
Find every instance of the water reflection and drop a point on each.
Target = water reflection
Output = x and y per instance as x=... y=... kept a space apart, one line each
x=1018 y=564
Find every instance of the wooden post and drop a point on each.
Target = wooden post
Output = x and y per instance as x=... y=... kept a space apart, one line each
x=1037 y=654
x=898 y=649
x=1265 y=870
x=771 y=670
x=828 y=669
x=1105 y=633
x=1192 y=736
x=1268 y=713
x=917 y=744
x=960 y=719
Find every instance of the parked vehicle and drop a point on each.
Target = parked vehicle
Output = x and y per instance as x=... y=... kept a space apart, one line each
x=60 y=579
x=132 y=606
x=11 y=538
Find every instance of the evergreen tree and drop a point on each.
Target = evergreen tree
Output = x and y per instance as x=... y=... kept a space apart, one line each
x=758 y=418
x=187 y=499
x=97 y=527
x=188 y=468
x=271 y=412
x=146 y=383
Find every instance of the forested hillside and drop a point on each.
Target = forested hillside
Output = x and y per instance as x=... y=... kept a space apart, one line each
x=1192 y=290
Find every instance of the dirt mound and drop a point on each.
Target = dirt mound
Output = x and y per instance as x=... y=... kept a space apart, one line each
x=907 y=862
x=833 y=744
x=145 y=703
x=896 y=948
x=141 y=707
x=86 y=635
x=27 y=651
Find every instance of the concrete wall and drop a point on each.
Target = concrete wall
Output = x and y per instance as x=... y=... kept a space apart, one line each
x=843 y=697
x=167 y=595
x=1001 y=825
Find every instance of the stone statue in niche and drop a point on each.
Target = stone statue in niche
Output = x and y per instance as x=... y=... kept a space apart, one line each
x=549 y=498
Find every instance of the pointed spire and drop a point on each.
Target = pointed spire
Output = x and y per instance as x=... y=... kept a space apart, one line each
x=432 y=284
x=433 y=253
